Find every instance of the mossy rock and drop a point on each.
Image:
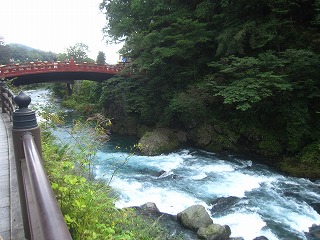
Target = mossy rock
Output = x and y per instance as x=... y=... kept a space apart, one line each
x=306 y=164
x=212 y=138
x=158 y=141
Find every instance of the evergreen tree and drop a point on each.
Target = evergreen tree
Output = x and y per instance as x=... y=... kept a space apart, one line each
x=249 y=66
x=101 y=58
x=79 y=52
x=4 y=52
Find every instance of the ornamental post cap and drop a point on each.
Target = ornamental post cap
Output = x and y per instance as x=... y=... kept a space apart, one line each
x=23 y=118
x=22 y=100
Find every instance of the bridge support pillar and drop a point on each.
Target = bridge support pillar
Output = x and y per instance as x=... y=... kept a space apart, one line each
x=69 y=89
x=24 y=121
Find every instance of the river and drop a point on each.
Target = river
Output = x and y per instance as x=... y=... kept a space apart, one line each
x=252 y=198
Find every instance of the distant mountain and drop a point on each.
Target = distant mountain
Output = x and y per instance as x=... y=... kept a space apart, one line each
x=22 y=53
x=22 y=46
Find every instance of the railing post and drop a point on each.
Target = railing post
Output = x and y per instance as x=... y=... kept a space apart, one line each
x=2 y=87
x=24 y=120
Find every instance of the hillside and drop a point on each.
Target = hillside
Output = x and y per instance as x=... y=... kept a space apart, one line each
x=243 y=74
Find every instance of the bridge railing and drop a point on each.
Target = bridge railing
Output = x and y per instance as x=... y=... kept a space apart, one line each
x=42 y=217
x=7 y=102
x=10 y=70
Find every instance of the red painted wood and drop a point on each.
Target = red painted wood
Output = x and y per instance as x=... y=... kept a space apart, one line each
x=15 y=70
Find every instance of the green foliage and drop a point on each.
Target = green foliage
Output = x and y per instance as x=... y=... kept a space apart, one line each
x=248 y=80
x=87 y=204
x=189 y=106
x=85 y=97
x=307 y=163
x=101 y=58
x=58 y=89
x=123 y=96
x=284 y=85
x=4 y=52
x=19 y=53
x=79 y=52
x=253 y=63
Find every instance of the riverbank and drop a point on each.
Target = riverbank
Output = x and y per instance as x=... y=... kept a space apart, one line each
x=274 y=205
x=213 y=133
x=154 y=141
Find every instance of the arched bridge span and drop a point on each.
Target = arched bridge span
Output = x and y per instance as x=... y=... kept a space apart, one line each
x=41 y=72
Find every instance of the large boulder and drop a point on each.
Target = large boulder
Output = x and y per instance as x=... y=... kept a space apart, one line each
x=214 y=232
x=150 y=212
x=159 y=141
x=212 y=138
x=194 y=217
x=202 y=135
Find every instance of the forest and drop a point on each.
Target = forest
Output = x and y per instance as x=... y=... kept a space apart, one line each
x=16 y=53
x=244 y=72
x=237 y=76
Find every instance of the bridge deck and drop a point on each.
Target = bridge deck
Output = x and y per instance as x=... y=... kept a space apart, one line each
x=11 y=227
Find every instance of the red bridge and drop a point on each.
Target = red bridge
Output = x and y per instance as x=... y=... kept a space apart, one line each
x=39 y=72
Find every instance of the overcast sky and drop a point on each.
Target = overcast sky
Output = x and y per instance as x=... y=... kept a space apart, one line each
x=54 y=25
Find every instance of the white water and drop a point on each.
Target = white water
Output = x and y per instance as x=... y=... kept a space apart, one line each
x=267 y=202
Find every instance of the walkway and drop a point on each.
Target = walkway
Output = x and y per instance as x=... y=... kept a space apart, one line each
x=11 y=227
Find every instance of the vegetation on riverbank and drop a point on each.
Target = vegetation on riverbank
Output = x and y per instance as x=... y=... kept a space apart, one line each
x=88 y=205
x=242 y=74
x=250 y=70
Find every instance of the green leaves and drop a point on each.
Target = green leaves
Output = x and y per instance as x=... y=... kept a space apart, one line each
x=239 y=61
x=79 y=52
x=246 y=81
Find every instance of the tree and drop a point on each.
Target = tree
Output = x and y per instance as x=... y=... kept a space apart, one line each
x=251 y=65
x=79 y=52
x=101 y=58
x=4 y=52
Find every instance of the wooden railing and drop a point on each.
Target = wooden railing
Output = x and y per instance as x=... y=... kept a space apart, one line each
x=45 y=216
x=13 y=70
x=7 y=102
x=42 y=217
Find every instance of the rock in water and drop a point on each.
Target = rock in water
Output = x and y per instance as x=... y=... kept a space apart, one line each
x=150 y=207
x=314 y=230
x=260 y=238
x=174 y=229
x=158 y=141
x=194 y=217
x=214 y=232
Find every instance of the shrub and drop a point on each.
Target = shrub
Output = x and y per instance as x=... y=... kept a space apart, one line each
x=88 y=205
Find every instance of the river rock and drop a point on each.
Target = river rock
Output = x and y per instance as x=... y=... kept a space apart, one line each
x=214 y=232
x=150 y=207
x=159 y=141
x=174 y=229
x=211 y=138
x=165 y=174
x=314 y=231
x=202 y=135
x=260 y=238
x=194 y=217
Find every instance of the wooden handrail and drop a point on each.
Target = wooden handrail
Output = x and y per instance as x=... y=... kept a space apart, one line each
x=7 y=101
x=42 y=217
x=50 y=224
